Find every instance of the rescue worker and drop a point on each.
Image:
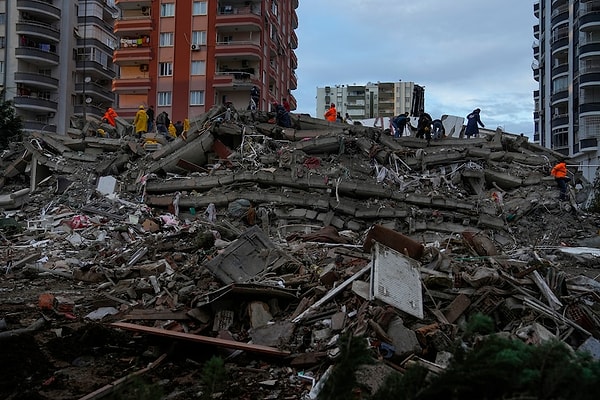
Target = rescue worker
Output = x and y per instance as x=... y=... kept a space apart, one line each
x=559 y=172
x=140 y=122
x=331 y=114
x=110 y=116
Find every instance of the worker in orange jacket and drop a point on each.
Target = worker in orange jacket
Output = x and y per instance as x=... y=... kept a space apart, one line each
x=559 y=172
x=331 y=114
x=110 y=116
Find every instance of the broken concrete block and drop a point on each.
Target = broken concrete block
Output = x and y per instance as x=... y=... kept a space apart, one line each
x=259 y=314
x=404 y=339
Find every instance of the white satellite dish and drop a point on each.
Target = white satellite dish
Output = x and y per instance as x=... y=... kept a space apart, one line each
x=88 y=100
x=87 y=79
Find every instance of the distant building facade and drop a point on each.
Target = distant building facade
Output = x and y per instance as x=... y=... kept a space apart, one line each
x=56 y=60
x=61 y=59
x=185 y=57
x=373 y=100
x=566 y=64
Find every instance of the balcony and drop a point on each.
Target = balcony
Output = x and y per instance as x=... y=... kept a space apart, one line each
x=589 y=21
x=536 y=10
x=132 y=55
x=34 y=104
x=36 y=80
x=237 y=15
x=293 y=40
x=294 y=20
x=94 y=68
x=560 y=120
x=588 y=145
x=589 y=77
x=132 y=4
x=293 y=81
x=586 y=109
x=133 y=26
x=536 y=31
x=560 y=69
x=592 y=48
x=36 y=55
x=39 y=8
x=238 y=48
x=38 y=30
x=235 y=79
x=559 y=96
x=90 y=109
x=560 y=14
x=559 y=44
x=132 y=85
x=93 y=89
x=293 y=60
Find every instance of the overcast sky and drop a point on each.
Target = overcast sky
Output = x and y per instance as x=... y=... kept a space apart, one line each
x=466 y=53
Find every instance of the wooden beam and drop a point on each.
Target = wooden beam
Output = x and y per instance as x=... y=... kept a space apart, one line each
x=230 y=344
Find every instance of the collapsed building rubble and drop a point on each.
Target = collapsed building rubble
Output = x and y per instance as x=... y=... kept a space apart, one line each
x=264 y=244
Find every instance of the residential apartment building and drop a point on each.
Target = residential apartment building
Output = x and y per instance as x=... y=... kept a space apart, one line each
x=567 y=66
x=184 y=57
x=61 y=59
x=56 y=60
x=373 y=100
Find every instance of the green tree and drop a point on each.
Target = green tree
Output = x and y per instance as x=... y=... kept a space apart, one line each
x=11 y=125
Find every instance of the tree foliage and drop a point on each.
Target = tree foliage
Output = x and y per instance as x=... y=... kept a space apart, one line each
x=498 y=367
x=11 y=125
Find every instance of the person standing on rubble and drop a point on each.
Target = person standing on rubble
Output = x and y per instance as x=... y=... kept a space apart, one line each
x=424 y=126
x=331 y=113
x=150 y=112
x=559 y=172
x=254 y=98
x=140 y=122
x=162 y=123
x=438 y=130
x=399 y=124
x=473 y=124
x=110 y=116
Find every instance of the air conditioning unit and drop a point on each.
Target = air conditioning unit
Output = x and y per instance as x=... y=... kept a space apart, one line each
x=195 y=47
x=144 y=67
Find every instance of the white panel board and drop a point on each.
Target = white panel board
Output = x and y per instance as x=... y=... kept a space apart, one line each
x=396 y=280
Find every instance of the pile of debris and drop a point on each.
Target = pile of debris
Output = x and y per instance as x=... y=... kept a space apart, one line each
x=263 y=245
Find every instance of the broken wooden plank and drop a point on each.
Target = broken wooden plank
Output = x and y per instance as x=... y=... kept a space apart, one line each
x=229 y=344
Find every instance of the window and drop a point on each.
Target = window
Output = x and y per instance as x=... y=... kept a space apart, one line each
x=199 y=37
x=560 y=84
x=199 y=8
x=2 y=18
x=274 y=8
x=164 y=98
x=2 y=42
x=198 y=68
x=166 y=39
x=1 y=67
x=165 y=69
x=167 y=10
x=197 y=98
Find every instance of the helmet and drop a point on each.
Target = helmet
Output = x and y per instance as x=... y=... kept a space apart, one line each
x=141 y=107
